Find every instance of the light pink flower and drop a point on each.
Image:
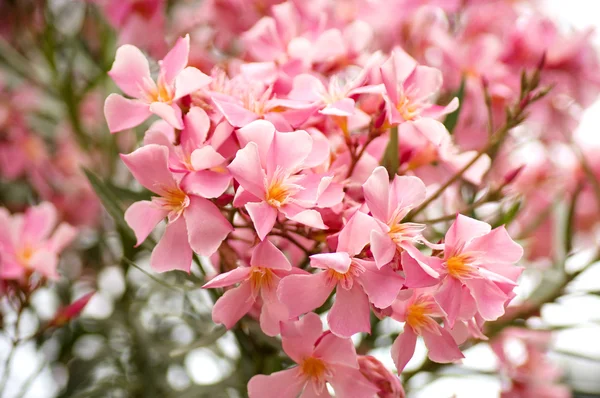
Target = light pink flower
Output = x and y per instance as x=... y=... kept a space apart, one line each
x=131 y=73
x=261 y=279
x=411 y=89
x=203 y=167
x=32 y=242
x=389 y=204
x=418 y=310
x=267 y=169
x=357 y=282
x=321 y=357
x=194 y=223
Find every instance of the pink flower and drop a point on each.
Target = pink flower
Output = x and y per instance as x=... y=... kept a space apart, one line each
x=476 y=274
x=411 y=89
x=357 y=282
x=321 y=357
x=261 y=279
x=388 y=384
x=131 y=73
x=267 y=169
x=389 y=204
x=418 y=310
x=31 y=242
x=194 y=223
x=71 y=311
x=204 y=168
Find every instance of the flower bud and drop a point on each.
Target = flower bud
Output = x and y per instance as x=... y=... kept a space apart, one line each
x=388 y=384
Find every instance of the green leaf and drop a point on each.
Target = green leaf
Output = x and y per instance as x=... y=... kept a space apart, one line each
x=391 y=158
x=109 y=199
x=509 y=215
x=452 y=118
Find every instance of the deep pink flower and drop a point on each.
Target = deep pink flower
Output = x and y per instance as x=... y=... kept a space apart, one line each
x=267 y=169
x=131 y=73
x=194 y=223
x=388 y=384
x=65 y=314
x=357 y=282
x=268 y=266
x=31 y=242
x=321 y=357
x=418 y=310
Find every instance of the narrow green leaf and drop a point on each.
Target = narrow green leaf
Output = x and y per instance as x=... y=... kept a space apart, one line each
x=109 y=199
x=509 y=215
x=452 y=118
x=391 y=157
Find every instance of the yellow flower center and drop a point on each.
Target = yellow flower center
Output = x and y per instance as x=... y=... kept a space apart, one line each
x=262 y=278
x=24 y=255
x=459 y=266
x=419 y=315
x=315 y=369
x=407 y=109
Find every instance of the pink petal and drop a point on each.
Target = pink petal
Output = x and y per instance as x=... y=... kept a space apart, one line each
x=442 y=348
x=307 y=88
x=38 y=223
x=228 y=278
x=383 y=248
x=263 y=217
x=262 y=133
x=233 y=305
x=206 y=226
x=304 y=293
x=197 y=125
x=381 y=285
x=351 y=383
x=265 y=254
x=206 y=183
x=448 y=297
x=232 y=110
x=122 y=114
x=247 y=170
x=130 y=71
x=45 y=262
x=288 y=151
x=329 y=45
x=376 y=190
x=312 y=218
x=169 y=113
x=404 y=348
x=142 y=217
x=149 y=166
x=62 y=237
x=407 y=191
x=415 y=275
x=176 y=59
x=344 y=108
x=206 y=158
x=489 y=298
x=273 y=312
x=189 y=81
x=356 y=233
x=283 y=384
x=428 y=80
x=463 y=230
x=336 y=350
x=320 y=151
x=173 y=250
x=298 y=338
x=339 y=262
x=497 y=246
x=350 y=312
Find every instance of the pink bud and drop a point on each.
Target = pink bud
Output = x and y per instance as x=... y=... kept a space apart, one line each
x=71 y=311
x=389 y=385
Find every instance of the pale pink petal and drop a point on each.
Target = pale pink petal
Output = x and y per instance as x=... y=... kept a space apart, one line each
x=38 y=223
x=350 y=312
x=356 y=233
x=312 y=218
x=431 y=265
x=351 y=383
x=307 y=88
x=304 y=293
x=206 y=183
x=190 y=80
x=262 y=133
x=265 y=254
x=233 y=305
x=381 y=285
x=336 y=350
x=206 y=158
x=344 y=108
x=328 y=46
x=169 y=113
x=142 y=217
x=442 y=348
x=298 y=338
x=376 y=190
x=130 y=71
x=263 y=217
x=273 y=312
x=383 y=248
x=197 y=125
x=497 y=246
x=45 y=262
x=62 y=237
x=122 y=113
x=176 y=59
x=404 y=348
x=339 y=262
x=288 y=151
x=228 y=278
x=490 y=299
x=415 y=275
x=407 y=191
x=448 y=297
x=311 y=390
x=437 y=111
x=427 y=79
x=283 y=384
x=320 y=151
x=160 y=133
x=247 y=170
x=149 y=166
x=173 y=251
x=206 y=226
x=232 y=110
x=463 y=230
